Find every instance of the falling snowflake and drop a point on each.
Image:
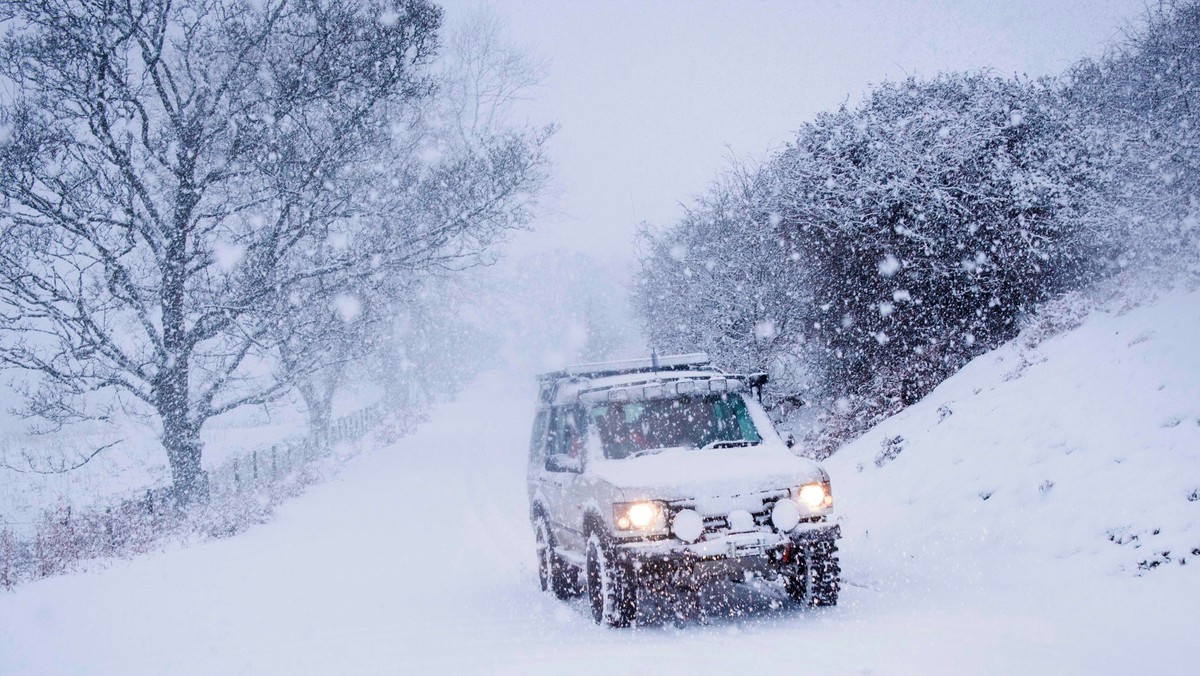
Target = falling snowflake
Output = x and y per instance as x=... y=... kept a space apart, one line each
x=889 y=266
x=348 y=307
x=227 y=256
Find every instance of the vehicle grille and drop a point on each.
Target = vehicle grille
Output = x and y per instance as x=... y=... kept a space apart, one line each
x=718 y=523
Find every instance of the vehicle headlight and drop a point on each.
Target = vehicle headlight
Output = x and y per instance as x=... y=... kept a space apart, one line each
x=815 y=496
x=646 y=515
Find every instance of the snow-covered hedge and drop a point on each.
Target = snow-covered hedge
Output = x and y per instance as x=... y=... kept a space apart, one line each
x=892 y=241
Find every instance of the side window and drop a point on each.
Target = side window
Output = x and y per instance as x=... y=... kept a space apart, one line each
x=537 y=439
x=557 y=442
x=566 y=437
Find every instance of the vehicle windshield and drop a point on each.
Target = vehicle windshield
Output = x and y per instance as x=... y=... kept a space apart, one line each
x=627 y=429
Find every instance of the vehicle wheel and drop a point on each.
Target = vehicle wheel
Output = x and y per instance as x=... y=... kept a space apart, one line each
x=815 y=578
x=611 y=586
x=554 y=574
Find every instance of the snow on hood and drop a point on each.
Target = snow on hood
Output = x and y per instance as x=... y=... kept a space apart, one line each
x=718 y=474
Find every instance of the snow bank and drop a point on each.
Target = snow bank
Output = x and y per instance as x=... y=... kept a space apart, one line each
x=1085 y=447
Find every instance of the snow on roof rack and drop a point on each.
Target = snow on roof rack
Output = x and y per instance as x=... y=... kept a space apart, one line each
x=677 y=362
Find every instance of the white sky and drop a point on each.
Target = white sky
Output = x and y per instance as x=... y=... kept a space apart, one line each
x=654 y=97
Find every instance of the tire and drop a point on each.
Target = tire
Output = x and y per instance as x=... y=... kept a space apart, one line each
x=554 y=574
x=611 y=586
x=814 y=579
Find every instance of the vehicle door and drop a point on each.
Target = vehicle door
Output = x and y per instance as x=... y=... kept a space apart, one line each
x=538 y=440
x=562 y=476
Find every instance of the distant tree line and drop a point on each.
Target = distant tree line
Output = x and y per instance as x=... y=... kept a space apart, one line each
x=892 y=241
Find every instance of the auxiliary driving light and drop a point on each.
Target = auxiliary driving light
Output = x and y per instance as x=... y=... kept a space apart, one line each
x=688 y=525
x=785 y=515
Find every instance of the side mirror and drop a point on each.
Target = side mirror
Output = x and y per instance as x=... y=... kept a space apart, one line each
x=561 y=462
x=791 y=440
x=757 y=381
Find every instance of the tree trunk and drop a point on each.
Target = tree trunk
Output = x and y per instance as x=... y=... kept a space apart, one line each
x=180 y=435
x=318 y=399
x=189 y=483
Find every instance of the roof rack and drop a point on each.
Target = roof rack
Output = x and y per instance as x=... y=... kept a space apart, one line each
x=678 y=362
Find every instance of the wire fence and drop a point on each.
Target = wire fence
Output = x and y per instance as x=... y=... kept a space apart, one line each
x=242 y=491
x=260 y=468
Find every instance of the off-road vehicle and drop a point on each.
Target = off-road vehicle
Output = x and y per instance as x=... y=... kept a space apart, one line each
x=659 y=475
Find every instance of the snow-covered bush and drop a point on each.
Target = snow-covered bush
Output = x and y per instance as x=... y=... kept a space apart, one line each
x=720 y=281
x=886 y=245
x=1142 y=101
x=892 y=241
x=1055 y=316
x=929 y=219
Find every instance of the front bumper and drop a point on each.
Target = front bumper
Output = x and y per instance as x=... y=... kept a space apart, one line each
x=730 y=554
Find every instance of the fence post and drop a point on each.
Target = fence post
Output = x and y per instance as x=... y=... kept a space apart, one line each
x=237 y=477
x=40 y=554
x=110 y=531
x=254 y=459
x=6 y=577
x=274 y=467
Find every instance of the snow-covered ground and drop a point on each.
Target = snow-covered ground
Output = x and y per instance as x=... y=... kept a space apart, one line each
x=418 y=558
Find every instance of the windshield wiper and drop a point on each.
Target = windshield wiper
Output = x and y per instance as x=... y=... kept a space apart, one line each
x=645 y=451
x=739 y=443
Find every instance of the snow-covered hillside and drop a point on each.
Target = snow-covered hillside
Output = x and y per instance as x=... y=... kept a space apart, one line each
x=1083 y=448
x=419 y=557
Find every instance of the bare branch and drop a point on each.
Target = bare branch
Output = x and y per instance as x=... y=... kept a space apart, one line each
x=31 y=468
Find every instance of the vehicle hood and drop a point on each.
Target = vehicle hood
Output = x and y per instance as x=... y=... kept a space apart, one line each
x=714 y=478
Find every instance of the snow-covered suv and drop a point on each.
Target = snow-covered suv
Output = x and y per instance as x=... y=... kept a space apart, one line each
x=657 y=475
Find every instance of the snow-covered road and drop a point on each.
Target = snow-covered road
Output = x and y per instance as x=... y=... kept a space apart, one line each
x=418 y=559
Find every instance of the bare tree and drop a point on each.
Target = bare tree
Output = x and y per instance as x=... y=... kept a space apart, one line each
x=486 y=77
x=180 y=176
x=478 y=166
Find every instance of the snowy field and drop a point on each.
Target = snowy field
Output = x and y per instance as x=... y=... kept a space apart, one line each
x=418 y=558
